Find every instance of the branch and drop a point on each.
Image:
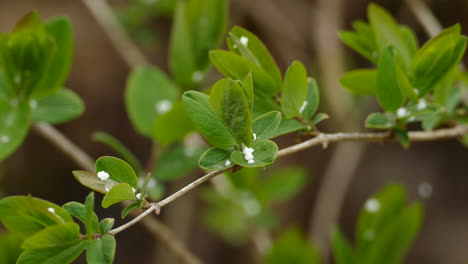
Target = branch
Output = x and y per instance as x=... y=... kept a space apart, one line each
x=427 y=19
x=322 y=139
x=156 y=228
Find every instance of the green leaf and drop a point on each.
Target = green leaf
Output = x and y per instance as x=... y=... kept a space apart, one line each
x=76 y=210
x=63 y=254
x=106 y=225
x=294 y=91
x=172 y=126
x=10 y=248
x=292 y=247
x=118 y=170
x=176 y=161
x=388 y=33
x=7 y=91
x=265 y=126
x=247 y=85
x=101 y=250
x=181 y=52
x=149 y=93
x=361 y=81
x=119 y=193
x=402 y=137
x=342 y=250
x=91 y=181
x=362 y=41
x=380 y=121
x=14 y=125
x=288 y=126
x=409 y=38
x=388 y=90
x=91 y=219
x=230 y=104
x=198 y=108
x=237 y=67
x=58 y=67
x=392 y=244
x=264 y=154
x=312 y=99
x=60 y=107
x=249 y=46
x=53 y=237
x=282 y=185
x=130 y=208
x=26 y=215
x=119 y=148
x=405 y=85
x=319 y=118
x=215 y=159
x=436 y=58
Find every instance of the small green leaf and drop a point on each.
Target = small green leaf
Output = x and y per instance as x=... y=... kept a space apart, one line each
x=319 y=118
x=380 y=121
x=237 y=67
x=252 y=48
x=91 y=181
x=60 y=107
x=53 y=236
x=101 y=250
x=294 y=91
x=58 y=67
x=362 y=41
x=76 y=210
x=342 y=250
x=10 y=247
x=91 y=219
x=264 y=154
x=287 y=126
x=361 y=81
x=231 y=105
x=402 y=137
x=172 y=126
x=312 y=99
x=119 y=148
x=177 y=161
x=106 y=225
x=282 y=185
x=26 y=215
x=292 y=247
x=130 y=208
x=265 y=126
x=14 y=125
x=63 y=254
x=388 y=91
x=216 y=159
x=119 y=193
x=198 y=108
x=247 y=85
x=149 y=93
x=405 y=85
x=118 y=170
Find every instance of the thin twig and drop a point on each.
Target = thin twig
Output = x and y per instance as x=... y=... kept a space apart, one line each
x=153 y=225
x=104 y=15
x=152 y=208
x=425 y=16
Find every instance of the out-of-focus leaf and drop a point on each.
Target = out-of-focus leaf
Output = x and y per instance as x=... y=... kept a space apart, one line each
x=389 y=94
x=62 y=106
x=380 y=121
x=362 y=81
x=292 y=247
x=342 y=250
x=176 y=162
x=172 y=126
x=101 y=251
x=282 y=185
x=14 y=125
x=10 y=248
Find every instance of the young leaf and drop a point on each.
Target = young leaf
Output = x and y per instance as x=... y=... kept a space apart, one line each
x=91 y=181
x=405 y=85
x=237 y=67
x=319 y=118
x=252 y=48
x=387 y=32
x=149 y=93
x=60 y=107
x=172 y=126
x=388 y=90
x=247 y=85
x=342 y=250
x=265 y=126
x=119 y=193
x=292 y=247
x=362 y=81
x=380 y=121
x=14 y=125
x=26 y=215
x=106 y=225
x=101 y=251
x=402 y=137
x=230 y=104
x=287 y=126
x=76 y=210
x=312 y=99
x=118 y=170
x=119 y=148
x=177 y=161
x=264 y=154
x=130 y=208
x=294 y=91
x=58 y=68
x=198 y=108
x=215 y=159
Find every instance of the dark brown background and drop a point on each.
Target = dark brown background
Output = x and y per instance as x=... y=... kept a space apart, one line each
x=99 y=74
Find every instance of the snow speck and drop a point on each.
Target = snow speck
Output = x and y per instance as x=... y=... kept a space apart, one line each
x=103 y=176
x=425 y=190
x=5 y=139
x=227 y=163
x=372 y=205
x=197 y=76
x=138 y=196
x=244 y=41
x=254 y=136
x=133 y=190
x=163 y=106
x=402 y=112
x=251 y=207
x=33 y=104
x=422 y=104
x=248 y=156
x=52 y=210
x=251 y=161
x=303 y=107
